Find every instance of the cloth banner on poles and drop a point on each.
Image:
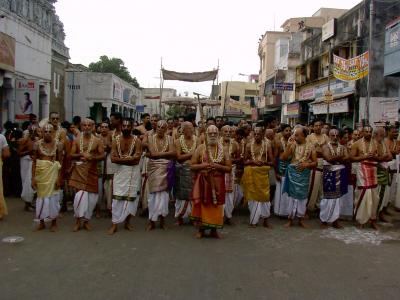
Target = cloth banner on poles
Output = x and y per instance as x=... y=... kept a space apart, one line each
x=350 y=69
x=190 y=77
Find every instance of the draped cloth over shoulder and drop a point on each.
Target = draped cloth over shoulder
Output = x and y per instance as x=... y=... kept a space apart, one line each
x=255 y=183
x=184 y=181
x=366 y=202
x=296 y=182
x=85 y=177
x=158 y=175
x=204 y=211
x=46 y=174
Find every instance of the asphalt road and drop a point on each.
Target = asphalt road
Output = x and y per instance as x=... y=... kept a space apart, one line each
x=246 y=264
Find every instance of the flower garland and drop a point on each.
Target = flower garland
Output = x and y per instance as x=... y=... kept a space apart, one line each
x=132 y=146
x=218 y=155
x=165 y=144
x=333 y=152
x=89 y=148
x=45 y=151
x=302 y=156
x=184 y=147
x=230 y=145
x=261 y=153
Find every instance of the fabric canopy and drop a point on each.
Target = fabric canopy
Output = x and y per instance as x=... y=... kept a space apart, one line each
x=190 y=77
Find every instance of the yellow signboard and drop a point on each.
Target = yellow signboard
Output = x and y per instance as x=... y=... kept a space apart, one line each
x=350 y=69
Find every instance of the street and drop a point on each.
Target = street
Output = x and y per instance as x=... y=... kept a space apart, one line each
x=247 y=263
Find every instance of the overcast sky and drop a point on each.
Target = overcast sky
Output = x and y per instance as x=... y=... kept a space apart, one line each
x=190 y=35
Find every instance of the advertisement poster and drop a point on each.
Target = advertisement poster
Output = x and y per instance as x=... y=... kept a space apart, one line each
x=350 y=69
x=26 y=98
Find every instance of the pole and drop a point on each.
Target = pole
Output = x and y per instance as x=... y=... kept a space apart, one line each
x=329 y=79
x=371 y=14
x=161 y=87
x=225 y=98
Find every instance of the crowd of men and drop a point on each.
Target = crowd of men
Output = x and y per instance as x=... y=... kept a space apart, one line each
x=206 y=169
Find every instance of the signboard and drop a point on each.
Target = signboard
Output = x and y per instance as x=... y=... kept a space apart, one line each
x=328 y=29
x=284 y=86
x=392 y=49
x=139 y=108
x=26 y=98
x=308 y=93
x=241 y=106
x=7 y=52
x=328 y=96
x=338 y=106
x=350 y=69
x=293 y=109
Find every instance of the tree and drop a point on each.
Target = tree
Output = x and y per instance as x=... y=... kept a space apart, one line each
x=113 y=65
x=174 y=111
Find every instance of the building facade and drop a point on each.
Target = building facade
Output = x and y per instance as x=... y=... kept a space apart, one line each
x=29 y=32
x=314 y=76
x=151 y=99
x=98 y=94
x=279 y=53
x=238 y=98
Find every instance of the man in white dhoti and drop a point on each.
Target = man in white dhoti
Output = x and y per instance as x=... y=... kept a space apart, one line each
x=281 y=199
x=86 y=151
x=335 y=181
x=231 y=147
x=46 y=177
x=317 y=139
x=364 y=154
x=25 y=149
x=125 y=154
x=185 y=146
x=161 y=151
x=303 y=158
x=255 y=180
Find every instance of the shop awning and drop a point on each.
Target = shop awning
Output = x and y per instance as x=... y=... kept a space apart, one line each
x=335 y=97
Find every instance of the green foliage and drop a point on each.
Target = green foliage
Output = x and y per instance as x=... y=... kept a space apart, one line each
x=174 y=111
x=113 y=65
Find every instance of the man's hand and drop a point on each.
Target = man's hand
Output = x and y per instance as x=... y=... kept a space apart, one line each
x=34 y=183
x=86 y=157
x=301 y=166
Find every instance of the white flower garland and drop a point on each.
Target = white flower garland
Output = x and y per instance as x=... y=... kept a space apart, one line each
x=89 y=148
x=132 y=146
x=184 y=147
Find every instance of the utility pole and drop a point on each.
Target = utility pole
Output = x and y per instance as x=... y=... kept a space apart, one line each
x=225 y=98
x=368 y=100
x=329 y=81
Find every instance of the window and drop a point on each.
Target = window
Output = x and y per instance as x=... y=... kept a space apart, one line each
x=237 y=98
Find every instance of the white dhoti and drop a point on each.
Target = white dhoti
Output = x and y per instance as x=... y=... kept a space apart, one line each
x=122 y=209
x=296 y=208
x=329 y=210
x=28 y=192
x=158 y=205
x=280 y=200
x=126 y=188
x=229 y=205
x=84 y=204
x=47 y=208
x=367 y=205
x=258 y=210
x=183 y=209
